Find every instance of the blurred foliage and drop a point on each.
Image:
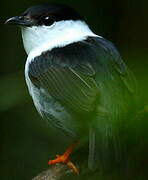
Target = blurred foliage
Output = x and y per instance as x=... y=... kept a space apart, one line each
x=26 y=141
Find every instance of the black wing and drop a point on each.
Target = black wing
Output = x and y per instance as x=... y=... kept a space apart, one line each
x=69 y=74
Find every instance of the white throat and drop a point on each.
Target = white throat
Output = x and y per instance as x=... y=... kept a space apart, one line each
x=42 y=38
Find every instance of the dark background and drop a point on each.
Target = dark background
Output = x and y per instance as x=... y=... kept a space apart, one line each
x=26 y=142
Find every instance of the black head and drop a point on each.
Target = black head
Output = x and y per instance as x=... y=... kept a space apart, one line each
x=45 y=14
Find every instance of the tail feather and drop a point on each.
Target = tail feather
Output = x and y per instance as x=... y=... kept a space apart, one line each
x=92 y=146
x=106 y=149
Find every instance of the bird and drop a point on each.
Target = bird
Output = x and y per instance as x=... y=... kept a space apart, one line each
x=77 y=80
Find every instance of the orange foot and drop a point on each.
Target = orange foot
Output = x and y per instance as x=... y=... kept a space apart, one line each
x=65 y=159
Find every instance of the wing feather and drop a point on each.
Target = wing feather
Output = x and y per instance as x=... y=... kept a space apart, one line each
x=70 y=74
x=72 y=89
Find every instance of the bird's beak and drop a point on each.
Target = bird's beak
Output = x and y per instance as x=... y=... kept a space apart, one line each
x=19 y=20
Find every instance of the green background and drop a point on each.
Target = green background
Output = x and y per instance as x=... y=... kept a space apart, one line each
x=26 y=142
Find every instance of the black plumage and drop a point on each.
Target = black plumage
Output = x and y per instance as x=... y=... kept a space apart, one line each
x=79 y=82
x=94 y=87
x=56 y=12
x=73 y=74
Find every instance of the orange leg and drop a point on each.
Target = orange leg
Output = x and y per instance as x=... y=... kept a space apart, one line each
x=65 y=159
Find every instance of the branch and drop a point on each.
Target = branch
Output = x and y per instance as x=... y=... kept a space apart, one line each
x=53 y=172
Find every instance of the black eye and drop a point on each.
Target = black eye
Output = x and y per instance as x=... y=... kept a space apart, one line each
x=21 y=17
x=48 y=21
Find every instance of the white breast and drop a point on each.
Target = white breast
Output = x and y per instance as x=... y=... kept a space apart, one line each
x=38 y=39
